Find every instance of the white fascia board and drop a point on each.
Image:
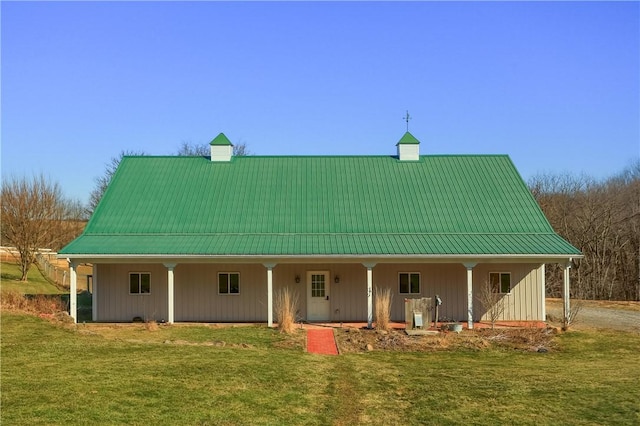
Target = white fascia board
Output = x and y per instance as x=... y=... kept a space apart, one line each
x=485 y=258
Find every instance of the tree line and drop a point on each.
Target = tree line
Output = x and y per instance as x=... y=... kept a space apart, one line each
x=602 y=219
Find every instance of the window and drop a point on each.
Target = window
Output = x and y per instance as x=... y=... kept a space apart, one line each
x=317 y=285
x=409 y=282
x=229 y=283
x=139 y=283
x=500 y=282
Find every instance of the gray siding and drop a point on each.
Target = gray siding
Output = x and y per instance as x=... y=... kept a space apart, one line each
x=196 y=295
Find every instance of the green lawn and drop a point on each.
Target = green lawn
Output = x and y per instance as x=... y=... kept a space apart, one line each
x=52 y=375
x=36 y=284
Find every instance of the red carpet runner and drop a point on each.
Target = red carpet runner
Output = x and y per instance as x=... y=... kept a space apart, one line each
x=321 y=341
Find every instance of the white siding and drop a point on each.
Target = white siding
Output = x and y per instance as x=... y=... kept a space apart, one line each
x=221 y=153
x=408 y=152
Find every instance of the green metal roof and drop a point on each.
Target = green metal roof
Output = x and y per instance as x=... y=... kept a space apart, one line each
x=318 y=205
x=408 y=139
x=221 y=139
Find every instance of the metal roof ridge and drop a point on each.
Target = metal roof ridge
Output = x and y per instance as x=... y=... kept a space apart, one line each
x=246 y=157
x=191 y=234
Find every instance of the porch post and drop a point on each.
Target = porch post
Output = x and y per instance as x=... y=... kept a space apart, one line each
x=369 y=267
x=543 y=292
x=73 y=291
x=170 y=267
x=94 y=294
x=470 y=267
x=270 y=267
x=566 y=295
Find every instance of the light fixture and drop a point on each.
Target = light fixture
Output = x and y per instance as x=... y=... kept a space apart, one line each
x=297 y=279
x=336 y=279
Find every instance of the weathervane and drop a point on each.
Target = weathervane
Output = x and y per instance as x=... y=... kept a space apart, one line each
x=407 y=118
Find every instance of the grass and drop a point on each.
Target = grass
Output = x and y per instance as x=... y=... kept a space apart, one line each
x=129 y=375
x=36 y=284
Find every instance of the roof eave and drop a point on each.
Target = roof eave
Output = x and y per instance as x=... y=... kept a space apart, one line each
x=359 y=258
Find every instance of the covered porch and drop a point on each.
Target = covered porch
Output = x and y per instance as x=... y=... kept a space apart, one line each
x=330 y=291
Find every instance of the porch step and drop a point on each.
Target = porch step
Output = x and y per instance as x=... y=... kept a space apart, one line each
x=321 y=341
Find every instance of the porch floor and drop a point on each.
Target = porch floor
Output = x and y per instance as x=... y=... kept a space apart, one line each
x=321 y=325
x=401 y=325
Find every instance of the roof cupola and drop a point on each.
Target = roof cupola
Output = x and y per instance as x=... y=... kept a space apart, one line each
x=221 y=148
x=408 y=148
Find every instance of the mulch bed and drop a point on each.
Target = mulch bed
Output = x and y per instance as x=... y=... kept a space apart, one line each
x=357 y=340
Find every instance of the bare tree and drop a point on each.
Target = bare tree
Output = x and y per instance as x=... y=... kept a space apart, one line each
x=35 y=215
x=193 y=149
x=241 y=150
x=602 y=219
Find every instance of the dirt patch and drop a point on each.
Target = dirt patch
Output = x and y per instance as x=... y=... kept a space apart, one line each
x=354 y=340
x=598 y=314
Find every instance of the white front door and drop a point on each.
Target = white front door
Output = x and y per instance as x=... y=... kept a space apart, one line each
x=318 y=303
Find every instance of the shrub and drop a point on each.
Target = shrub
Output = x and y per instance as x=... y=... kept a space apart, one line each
x=492 y=302
x=39 y=303
x=575 y=308
x=286 y=306
x=383 y=308
x=12 y=299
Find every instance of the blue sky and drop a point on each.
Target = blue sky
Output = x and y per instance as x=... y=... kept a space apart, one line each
x=554 y=85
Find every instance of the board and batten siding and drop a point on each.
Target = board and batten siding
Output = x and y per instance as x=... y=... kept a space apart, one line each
x=196 y=296
x=116 y=304
x=348 y=297
x=524 y=302
x=449 y=281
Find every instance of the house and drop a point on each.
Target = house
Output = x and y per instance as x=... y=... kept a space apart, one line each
x=212 y=239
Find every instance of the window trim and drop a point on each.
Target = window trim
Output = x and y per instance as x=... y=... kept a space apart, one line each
x=228 y=293
x=409 y=277
x=139 y=274
x=500 y=274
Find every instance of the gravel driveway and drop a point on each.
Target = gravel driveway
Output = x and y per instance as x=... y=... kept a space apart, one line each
x=591 y=315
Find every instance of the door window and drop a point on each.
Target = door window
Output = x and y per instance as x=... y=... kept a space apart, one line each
x=317 y=285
